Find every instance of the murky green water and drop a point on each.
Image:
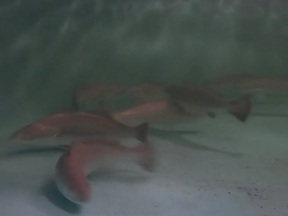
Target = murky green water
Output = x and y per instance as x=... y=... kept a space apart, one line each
x=47 y=47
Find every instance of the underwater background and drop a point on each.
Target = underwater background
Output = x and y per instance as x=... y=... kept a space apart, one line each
x=48 y=47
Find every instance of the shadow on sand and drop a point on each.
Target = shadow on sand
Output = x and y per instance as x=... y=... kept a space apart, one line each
x=177 y=138
x=30 y=151
x=51 y=192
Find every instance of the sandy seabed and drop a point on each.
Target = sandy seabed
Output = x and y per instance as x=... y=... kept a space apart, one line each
x=229 y=168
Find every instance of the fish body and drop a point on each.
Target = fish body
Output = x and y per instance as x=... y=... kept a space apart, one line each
x=157 y=112
x=105 y=92
x=100 y=91
x=204 y=100
x=79 y=124
x=74 y=165
x=148 y=92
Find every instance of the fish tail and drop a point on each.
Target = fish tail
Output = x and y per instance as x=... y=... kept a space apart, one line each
x=241 y=108
x=147 y=157
x=141 y=132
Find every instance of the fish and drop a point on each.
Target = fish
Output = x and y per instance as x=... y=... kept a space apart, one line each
x=103 y=92
x=145 y=92
x=79 y=161
x=148 y=92
x=158 y=112
x=203 y=99
x=249 y=83
x=80 y=124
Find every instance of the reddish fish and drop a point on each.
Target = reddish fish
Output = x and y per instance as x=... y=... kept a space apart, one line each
x=148 y=92
x=74 y=165
x=100 y=91
x=145 y=92
x=80 y=124
x=187 y=97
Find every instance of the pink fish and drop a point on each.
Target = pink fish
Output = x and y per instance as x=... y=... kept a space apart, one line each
x=80 y=124
x=145 y=92
x=74 y=165
x=100 y=91
x=148 y=92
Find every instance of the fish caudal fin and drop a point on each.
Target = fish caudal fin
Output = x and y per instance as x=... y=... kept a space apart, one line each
x=147 y=158
x=241 y=108
x=141 y=132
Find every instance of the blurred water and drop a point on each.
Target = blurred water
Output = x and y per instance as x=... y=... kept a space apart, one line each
x=48 y=47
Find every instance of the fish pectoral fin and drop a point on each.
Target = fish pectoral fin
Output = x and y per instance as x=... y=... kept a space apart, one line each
x=142 y=131
x=211 y=114
x=178 y=107
x=241 y=108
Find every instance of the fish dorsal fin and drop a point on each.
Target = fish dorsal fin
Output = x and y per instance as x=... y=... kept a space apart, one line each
x=100 y=112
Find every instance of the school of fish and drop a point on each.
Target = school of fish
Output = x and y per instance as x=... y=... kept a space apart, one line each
x=97 y=134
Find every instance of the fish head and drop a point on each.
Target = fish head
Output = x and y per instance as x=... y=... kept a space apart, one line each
x=34 y=131
x=72 y=182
